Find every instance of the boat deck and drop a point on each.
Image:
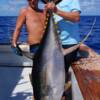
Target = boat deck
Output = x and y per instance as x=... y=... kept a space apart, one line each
x=14 y=75
x=87 y=72
x=15 y=83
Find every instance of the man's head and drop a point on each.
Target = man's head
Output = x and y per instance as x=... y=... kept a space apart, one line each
x=33 y=3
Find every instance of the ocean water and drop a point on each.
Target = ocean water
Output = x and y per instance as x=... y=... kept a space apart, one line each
x=7 y=26
x=85 y=25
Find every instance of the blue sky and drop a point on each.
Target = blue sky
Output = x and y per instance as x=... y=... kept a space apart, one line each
x=90 y=7
x=12 y=7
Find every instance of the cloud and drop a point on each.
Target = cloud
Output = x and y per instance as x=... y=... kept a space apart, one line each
x=7 y=10
x=89 y=7
x=17 y=2
x=4 y=7
x=11 y=7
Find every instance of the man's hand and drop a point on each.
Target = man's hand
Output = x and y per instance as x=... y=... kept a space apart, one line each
x=51 y=6
x=13 y=44
x=17 y=50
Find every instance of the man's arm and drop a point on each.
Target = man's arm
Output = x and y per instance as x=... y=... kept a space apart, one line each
x=73 y=16
x=20 y=22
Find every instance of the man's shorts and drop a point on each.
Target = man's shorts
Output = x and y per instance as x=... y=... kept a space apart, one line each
x=69 y=58
x=29 y=50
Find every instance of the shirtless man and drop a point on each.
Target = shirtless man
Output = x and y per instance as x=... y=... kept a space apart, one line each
x=34 y=21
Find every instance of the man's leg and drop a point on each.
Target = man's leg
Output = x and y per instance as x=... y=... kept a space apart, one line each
x=69 y=58
x=33 y=98
x=34 y=74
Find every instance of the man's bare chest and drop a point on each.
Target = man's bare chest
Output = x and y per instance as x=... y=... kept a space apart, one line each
x=35 y=17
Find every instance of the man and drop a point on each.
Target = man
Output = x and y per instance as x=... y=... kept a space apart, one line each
x=67 y=14
x=34 y=20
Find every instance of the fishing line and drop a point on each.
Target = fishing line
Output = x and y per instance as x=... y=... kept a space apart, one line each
x=71 y=49
x=90 y=32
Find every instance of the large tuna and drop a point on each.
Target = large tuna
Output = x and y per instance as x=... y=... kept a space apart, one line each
x=48 y=74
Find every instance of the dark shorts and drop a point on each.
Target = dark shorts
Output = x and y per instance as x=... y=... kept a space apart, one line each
x=69 y=58
x=34 y=48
